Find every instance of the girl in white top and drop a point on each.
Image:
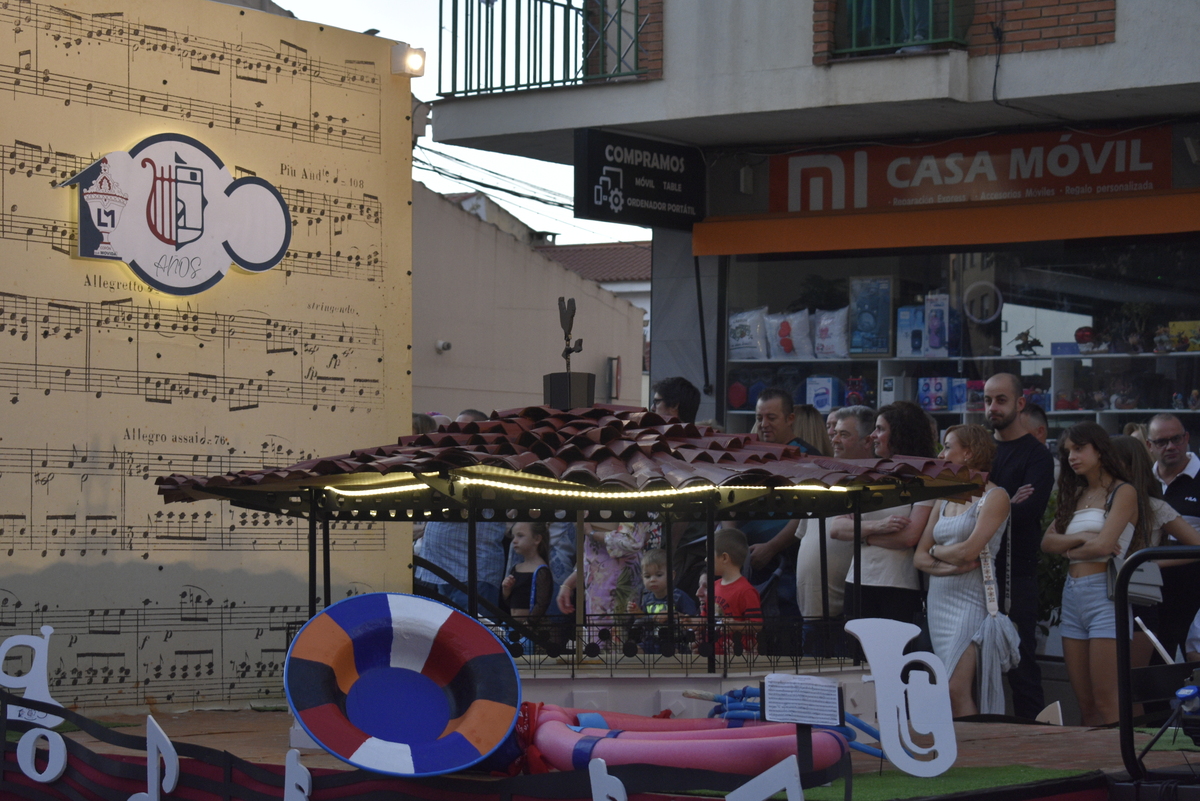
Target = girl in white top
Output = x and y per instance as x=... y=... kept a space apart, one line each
x=1100 y=515
x=1164 y=522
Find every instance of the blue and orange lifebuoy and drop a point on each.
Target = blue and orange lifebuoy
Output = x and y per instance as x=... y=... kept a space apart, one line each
x=402 y=685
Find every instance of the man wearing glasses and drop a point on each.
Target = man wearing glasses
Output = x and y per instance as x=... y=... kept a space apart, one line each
x=1178 y=470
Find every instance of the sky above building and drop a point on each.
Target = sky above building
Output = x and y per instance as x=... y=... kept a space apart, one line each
x=416 y=22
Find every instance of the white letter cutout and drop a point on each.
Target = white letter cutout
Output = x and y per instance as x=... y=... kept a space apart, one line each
x=919 y=705
x=605 y=787
x=56 y=762
x=35 y=683
x=784 y=776
x=297 y=781
x=158 y=745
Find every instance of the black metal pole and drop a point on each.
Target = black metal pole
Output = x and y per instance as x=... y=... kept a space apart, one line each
x=858 y=587
x=669 y=546
x=708 y=388
x=472 y=565
x=824 y=569
x=325 y=557
x=312 y=553
x=710 y=622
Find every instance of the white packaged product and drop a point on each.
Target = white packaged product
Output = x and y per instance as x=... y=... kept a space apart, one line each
x=748 y=334
x=831 y=333
x=788 y=335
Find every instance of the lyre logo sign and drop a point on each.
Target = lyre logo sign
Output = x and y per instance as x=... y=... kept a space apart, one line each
x=818 y=168
x=170 y=209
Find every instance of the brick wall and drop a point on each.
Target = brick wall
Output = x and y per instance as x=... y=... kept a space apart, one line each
x=1041 y=25
x=651 y=38
x=1026 y=25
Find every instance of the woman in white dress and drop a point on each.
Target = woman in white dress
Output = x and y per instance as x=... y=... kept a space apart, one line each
x=949 y=551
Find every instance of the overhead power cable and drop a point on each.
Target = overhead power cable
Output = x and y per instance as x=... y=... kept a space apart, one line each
x=527 y=186
x=445 y=173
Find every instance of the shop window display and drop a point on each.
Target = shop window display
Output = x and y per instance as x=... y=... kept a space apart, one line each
x=1099 y=330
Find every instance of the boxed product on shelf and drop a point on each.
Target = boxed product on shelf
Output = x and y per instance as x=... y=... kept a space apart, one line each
x=937 y=326
x=894 y=388
x=870 y=316
x=933 y=394
x=823 y=392
x=856 y=391
x=1037 y=397
x=1064 y=348
x=975 y=395
x=910 y=331
x=958 y=394
x=1185 y=334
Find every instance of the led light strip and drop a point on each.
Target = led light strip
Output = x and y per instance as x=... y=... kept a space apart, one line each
x=591 y=494
x=380 y=491
x=579 y=493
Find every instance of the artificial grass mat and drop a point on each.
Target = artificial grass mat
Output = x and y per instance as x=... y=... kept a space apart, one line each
x=1173 y=739
x=893 y=784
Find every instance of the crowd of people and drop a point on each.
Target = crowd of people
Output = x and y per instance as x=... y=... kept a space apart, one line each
x=966 y=571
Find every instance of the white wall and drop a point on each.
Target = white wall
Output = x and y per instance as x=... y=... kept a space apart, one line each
x=496 y=300
x=743 y=72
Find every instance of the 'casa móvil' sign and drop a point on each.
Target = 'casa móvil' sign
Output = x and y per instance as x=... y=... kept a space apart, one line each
x=1006 y=168
x=624 y=179
x=170 y=209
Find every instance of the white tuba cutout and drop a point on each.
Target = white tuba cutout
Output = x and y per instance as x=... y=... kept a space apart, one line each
x=918 y=707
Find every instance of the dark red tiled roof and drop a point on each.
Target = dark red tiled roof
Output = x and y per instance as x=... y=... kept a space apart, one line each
x=604 y=447
x=609 y=261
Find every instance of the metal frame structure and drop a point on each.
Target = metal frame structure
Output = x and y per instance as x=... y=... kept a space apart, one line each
x=483 y=493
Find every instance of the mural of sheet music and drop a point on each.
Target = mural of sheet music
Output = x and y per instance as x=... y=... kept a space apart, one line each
x=107 y=383
x=276 y=88
x=184 y=645
x=243 y=360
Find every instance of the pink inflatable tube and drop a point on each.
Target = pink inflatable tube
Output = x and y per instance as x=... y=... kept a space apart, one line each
x=748 y=750
x=625 y=722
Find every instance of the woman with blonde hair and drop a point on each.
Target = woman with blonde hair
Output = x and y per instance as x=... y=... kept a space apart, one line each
x=957 y=541
x=809 y=427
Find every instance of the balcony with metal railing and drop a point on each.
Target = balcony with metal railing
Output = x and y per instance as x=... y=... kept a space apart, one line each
x=879 y=27
x=494 y=46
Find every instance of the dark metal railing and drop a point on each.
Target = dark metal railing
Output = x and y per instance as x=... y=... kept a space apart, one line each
x=625 y=644
x=1154 y=683
x=490 y=46
x=874 y=27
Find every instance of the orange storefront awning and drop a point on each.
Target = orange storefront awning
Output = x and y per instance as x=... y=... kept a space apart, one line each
x=974 y=225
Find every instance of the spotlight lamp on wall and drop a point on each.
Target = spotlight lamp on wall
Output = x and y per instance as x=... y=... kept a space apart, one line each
x=442 y=345
x=408 y=60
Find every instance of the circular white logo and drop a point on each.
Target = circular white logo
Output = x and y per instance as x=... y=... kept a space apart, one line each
x=170 y=210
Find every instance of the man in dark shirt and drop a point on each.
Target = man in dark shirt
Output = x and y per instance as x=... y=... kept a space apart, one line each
x=1021 y=461
x=1178 y=472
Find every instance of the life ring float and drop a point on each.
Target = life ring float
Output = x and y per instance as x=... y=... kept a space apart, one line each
x=568 y=739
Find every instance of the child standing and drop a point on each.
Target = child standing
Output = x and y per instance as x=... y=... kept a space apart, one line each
x=654 y=598
x=736 y=598
x=528 y=586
